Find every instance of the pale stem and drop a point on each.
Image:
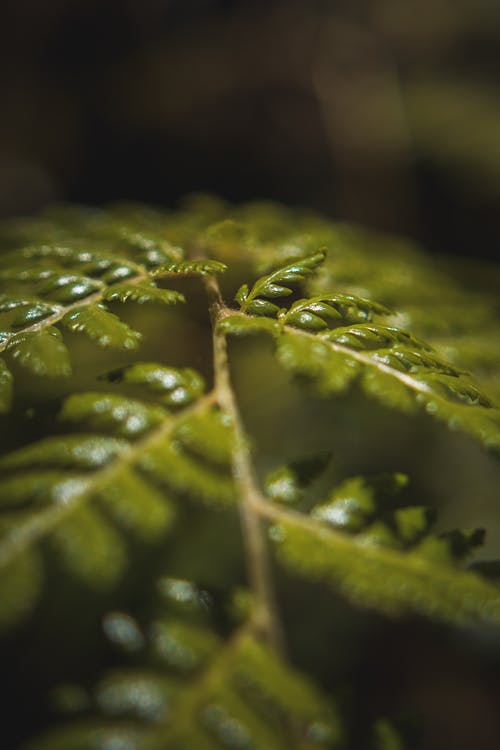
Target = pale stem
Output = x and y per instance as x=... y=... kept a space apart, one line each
x=253 y=529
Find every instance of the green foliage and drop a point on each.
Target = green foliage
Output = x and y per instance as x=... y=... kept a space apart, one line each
x=171 y=385
x=44 y=284
x=393 y=365
x=101 y=326
x=140 y=463
x=200 y=267
x=252 y=301
x=388 y=560
x=196 y=687
x=43 y=352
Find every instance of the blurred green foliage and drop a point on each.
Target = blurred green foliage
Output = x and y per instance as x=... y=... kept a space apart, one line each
x=227 y=428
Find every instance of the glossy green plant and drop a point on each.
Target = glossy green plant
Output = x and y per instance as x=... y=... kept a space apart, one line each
x=130 y=465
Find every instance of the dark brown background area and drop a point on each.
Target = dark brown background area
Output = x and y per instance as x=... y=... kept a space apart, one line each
x=378 y=111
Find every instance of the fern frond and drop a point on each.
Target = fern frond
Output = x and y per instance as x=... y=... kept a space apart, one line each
x=438 y=303
x=201 y=689
x=97 y=471
x=393 y=365
x=69 y=283
x=371 y=571
x=64 y=488
x=378 y=549
x=255 y=300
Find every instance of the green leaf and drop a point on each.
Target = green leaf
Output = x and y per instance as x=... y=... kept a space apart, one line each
x=209 y=435
x=287 y=689
x=282 y=486
x=413 y=522
x=9 y=302
x=238 y=325
x=141 y=293
x=33 y=313
x=200 y=691
x=317 y=312
x=389 y=580
x=86 y=736
x=144 y=696
x=274 y=285
x=330 y=371
x=241 y=294
x=196 y=267
x=137 y=506
x=119 y=272
x=90 y=548
x=176 y=387
x=123 y=416
x=172 y=467
x=261 y=307
x=73 y=451
x=42 y=352
x=401 y=380
x=40 y=487
x=391 y=392
x=356 y=500
x=68 y=288
x=101 y=326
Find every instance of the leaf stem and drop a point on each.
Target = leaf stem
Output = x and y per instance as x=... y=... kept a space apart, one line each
x=254 y=534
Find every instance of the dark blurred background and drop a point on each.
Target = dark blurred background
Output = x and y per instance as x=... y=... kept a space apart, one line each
x=378 y=111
